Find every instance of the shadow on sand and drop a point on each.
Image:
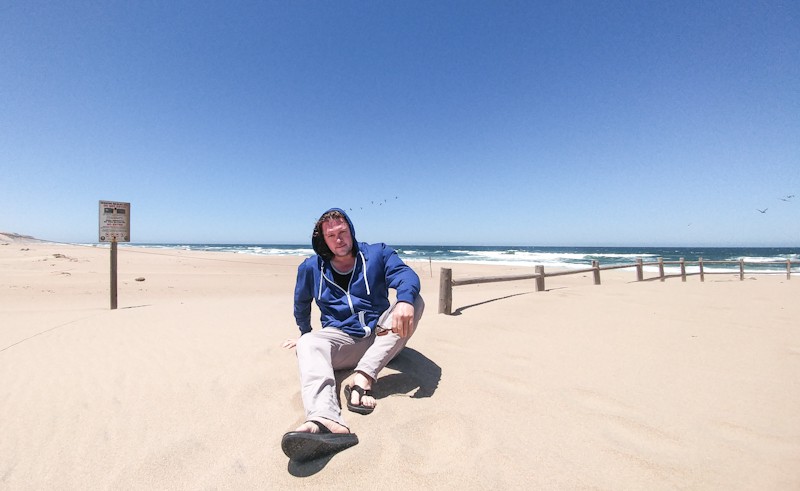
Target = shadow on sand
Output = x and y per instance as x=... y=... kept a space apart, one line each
x=460 y=310
x=415 y=371
x=306 y=469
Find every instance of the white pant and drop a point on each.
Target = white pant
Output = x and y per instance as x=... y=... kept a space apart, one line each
x=322 y=351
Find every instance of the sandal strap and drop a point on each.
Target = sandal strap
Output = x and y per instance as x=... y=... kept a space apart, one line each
x=322 y=427
x=361 y=391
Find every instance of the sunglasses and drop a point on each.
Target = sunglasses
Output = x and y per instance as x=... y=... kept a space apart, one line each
x=381 y=329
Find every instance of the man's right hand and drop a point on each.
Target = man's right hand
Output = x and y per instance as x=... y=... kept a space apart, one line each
x=289 y=343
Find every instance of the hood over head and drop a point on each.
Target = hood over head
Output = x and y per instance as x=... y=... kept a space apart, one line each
x=318 y=241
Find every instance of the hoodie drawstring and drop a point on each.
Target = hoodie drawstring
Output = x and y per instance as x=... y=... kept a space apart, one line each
x=364 y=264
x=321 y=278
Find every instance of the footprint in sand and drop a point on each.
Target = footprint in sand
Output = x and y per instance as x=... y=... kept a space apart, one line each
x=449 y=434
x=627 y=430
x=744 y=436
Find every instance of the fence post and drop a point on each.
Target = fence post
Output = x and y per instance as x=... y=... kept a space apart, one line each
x=683 y=270
x=661 y=268
x=639 y=270
x=596 y=267
x=741 y=269
x=446 y=291
x=539 y=279
x=702 y=273
x=788 y=269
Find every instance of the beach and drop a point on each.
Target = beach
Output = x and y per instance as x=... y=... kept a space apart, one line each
x=624 y=385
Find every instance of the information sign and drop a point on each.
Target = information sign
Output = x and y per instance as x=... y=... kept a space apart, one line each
x=115 y=221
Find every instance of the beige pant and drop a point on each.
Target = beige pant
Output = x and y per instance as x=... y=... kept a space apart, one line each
x=322 y=351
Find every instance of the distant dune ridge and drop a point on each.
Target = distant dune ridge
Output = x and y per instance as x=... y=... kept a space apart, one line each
x=11 y=237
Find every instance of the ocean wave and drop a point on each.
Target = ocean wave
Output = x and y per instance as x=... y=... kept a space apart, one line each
x=626 y=257
x=756 y=259
x=766 y=259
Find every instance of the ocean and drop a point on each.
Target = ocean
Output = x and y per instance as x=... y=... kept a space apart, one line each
x=757 y=259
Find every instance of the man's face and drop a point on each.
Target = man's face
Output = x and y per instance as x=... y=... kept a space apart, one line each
x=337 y=236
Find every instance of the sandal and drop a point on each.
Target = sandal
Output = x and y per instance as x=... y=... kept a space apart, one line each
x=303 y=446
x=358 y=408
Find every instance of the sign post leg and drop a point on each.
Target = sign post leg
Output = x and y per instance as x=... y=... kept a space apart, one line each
x=113 y=274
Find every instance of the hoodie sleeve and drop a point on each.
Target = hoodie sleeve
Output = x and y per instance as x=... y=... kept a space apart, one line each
x=400 y=276
x=303 y=294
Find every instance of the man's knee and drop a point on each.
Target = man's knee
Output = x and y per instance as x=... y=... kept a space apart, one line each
x=308 y=342
x=419 y=307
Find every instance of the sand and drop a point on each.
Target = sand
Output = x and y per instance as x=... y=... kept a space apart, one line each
x=625 y=385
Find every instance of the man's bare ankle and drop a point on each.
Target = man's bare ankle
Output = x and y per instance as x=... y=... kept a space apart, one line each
x=362 y=381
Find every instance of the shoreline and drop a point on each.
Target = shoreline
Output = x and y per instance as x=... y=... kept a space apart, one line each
x=558 y=259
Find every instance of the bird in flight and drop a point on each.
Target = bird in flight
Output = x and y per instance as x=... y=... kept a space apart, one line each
x=381 y=202
x=762 y=211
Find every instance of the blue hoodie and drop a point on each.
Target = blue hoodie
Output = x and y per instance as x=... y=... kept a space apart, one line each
x=355 y=310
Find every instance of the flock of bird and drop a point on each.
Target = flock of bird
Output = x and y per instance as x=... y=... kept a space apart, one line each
x=786 y=198
x=375 y=203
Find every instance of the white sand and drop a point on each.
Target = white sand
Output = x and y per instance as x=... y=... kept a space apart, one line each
x=625 y=385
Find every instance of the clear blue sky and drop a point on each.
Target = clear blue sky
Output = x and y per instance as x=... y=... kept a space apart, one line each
x=493 y=122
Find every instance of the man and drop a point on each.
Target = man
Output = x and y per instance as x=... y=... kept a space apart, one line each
x=361 y=330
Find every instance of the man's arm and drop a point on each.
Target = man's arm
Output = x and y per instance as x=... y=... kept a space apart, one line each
x=303 y=294
x=400 y=276
x=405 y=281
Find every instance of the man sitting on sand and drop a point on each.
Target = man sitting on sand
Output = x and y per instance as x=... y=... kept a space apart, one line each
x=361 y=330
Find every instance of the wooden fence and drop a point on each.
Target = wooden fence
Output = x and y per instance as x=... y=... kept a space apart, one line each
x=446 y=281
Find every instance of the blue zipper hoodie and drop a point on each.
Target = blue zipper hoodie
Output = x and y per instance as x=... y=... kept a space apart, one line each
x=355 y=310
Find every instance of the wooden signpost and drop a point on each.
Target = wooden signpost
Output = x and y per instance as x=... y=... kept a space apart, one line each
x=114 y=227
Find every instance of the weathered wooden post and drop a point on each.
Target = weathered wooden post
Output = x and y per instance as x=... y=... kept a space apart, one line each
x=596 y=272
x=446 y=291
x=741 y=269
x=702 y=273
x=683 y=270
x=639 y=270
x=788 y=269
x=113 y=274
x=661 y=268
x=539 y=279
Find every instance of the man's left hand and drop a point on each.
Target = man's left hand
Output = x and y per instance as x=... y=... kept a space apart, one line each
x=403 y=319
